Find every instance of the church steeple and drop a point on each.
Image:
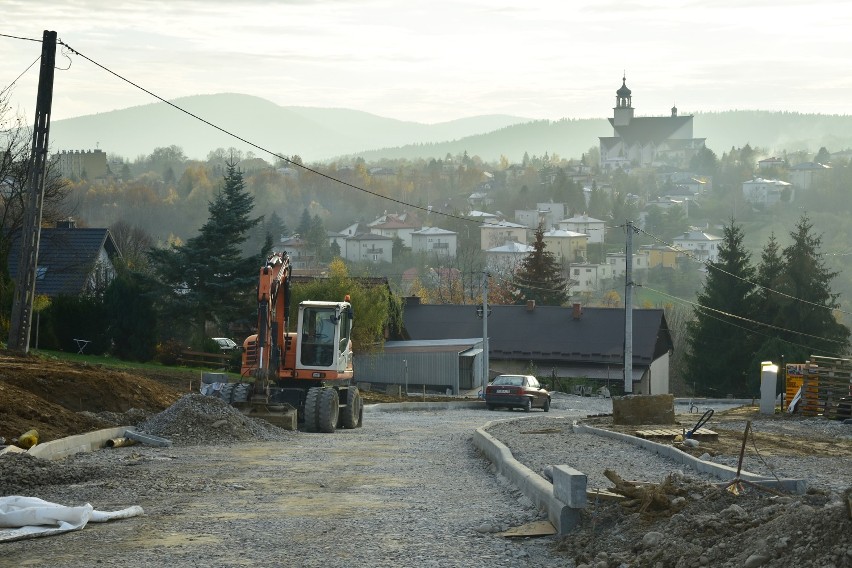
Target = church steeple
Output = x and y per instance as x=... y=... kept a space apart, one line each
x=622 y=95
x=623 y=111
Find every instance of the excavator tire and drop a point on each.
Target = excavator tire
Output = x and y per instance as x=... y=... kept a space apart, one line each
x=311 y=406
x=329 y=409
x=353 y=414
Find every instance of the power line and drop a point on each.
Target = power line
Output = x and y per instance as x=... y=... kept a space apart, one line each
x=12 y=84
x=747 y=320
x=270 y=152
x=713 y=266
x=23 y=38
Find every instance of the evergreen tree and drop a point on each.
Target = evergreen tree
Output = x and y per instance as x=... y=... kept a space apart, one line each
x=540 y=277
x=207 y=279
x=807 y=304
x=719 y=336
x=304 y=225
x=275 y=227
x=131 y=318
x=768 y=346
x=769 y=273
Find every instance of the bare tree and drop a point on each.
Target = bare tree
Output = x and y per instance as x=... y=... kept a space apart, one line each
x=133 y=243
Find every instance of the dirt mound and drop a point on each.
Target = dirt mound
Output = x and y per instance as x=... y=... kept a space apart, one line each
x=51 y=396
x=684 y=523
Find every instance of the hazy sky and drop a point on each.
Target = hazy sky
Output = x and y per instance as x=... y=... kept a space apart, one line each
x=443 y=59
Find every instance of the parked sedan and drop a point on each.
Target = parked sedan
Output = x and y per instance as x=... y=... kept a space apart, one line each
x=516 y=391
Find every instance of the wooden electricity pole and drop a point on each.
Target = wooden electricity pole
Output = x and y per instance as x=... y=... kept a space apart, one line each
x=25 y=281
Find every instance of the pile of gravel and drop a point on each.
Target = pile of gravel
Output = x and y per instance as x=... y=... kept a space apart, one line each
x=203 y=420
x=23 y=474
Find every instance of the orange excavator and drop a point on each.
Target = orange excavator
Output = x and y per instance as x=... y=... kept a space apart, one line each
x=309 y=369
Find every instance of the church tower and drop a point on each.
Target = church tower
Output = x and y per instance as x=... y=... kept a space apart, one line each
x=623 y=111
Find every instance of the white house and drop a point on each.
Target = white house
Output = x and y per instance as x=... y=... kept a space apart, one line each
x=618 y=262
x=806 y=174
x=369 y=247
x=701 y=246
x=435 y=241
x=589 y=277
x=595 y=228
x=497 y=233
x=761 y=191
x=507 y=258
x=394 y=226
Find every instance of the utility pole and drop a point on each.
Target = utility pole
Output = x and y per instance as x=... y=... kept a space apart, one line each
x=628 y=311
x=484 y=316
x=25 y=282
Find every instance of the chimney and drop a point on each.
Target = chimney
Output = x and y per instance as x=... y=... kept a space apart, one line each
x=577 y=310
x=530 y=305
x=68 y=223
x=412 y=301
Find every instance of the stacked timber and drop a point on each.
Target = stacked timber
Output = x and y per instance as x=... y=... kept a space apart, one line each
x=826 y=387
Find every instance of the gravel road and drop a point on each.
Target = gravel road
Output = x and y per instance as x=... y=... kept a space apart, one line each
x=407 y=489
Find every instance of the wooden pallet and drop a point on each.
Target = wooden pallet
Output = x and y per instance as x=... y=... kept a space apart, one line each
x=670 y=433
x=826 y=387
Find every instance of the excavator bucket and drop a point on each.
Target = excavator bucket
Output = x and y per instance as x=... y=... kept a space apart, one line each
x=282 y=415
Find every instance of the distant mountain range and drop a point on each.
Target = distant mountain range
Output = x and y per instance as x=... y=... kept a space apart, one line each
x=321 y=134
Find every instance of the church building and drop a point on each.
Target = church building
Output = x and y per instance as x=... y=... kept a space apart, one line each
x=646 y=141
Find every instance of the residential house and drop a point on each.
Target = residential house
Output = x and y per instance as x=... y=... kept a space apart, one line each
x=72 y=261
x=566 y=246
x=545 y=215
x=507 y=258
x=766 y=192
x=772 y=163
x=595 y=228
x=807 y=174
x=618 y=262
x=479 y=199
x=661 y=255
x=699 y=245
x=573 y=342
x=435 y=241
x=482 y=216
x=497 y=233
x=302 y=257
x=369 y=247
x=585 y=277
x=396 y=226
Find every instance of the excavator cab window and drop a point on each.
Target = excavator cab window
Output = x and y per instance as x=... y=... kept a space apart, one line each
x=318 y=332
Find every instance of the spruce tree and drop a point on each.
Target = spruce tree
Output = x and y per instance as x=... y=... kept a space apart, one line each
x=540 y=277
x=720 y=334
x=806 y=307
x=208 y=279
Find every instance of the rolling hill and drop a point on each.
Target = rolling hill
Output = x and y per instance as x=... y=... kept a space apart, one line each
x=321 y=134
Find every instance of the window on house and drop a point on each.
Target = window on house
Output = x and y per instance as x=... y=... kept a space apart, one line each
x=41 y=272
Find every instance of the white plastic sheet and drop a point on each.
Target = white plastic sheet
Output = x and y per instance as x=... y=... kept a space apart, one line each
x=31 y=517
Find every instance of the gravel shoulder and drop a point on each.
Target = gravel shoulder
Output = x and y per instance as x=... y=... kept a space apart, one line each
x=407 y=489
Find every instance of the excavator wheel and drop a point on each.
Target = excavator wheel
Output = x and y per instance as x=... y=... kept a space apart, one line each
x=328 y=407
x=352 y=415
x=311 y=409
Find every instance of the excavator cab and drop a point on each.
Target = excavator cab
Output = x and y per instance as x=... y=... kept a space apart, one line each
x=324 y=331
